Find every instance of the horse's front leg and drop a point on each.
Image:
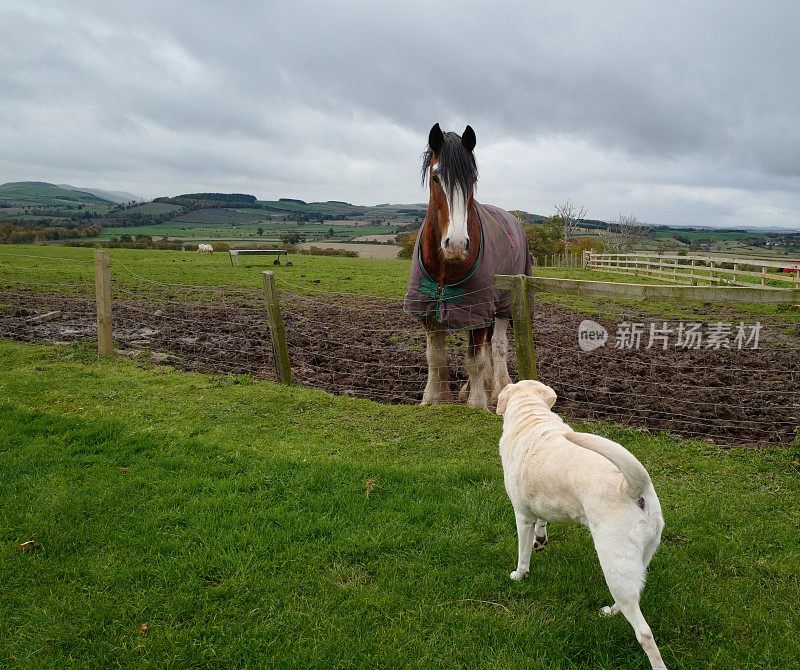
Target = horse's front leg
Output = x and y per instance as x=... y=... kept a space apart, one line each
x=437 y=390
x=478 y=365
x=500 y=358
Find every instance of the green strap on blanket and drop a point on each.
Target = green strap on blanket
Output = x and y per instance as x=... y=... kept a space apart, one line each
x=451 y=294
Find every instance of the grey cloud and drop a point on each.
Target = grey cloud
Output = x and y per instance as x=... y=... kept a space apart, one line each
x=336 y=98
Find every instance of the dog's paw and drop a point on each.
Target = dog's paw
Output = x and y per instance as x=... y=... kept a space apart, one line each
x=539 y=543
x=609 y=611
x=518 y=576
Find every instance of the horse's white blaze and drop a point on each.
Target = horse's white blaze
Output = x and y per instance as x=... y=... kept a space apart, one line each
x=457 y=235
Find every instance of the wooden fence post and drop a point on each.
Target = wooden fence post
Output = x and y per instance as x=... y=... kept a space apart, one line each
x=102 y=286
x=523 y=328
x=280 y=351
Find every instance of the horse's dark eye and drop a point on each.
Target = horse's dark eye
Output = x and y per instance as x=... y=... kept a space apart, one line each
x=435 y=179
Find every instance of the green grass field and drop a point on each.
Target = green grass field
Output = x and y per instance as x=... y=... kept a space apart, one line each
x=201 y=230
x=133 y=269
x=147 y=208
x=51 y=267
x=191 y=521
x=712 y=235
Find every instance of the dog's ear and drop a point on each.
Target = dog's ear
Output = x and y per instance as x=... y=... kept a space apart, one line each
x=548 y=395
x=502 y=399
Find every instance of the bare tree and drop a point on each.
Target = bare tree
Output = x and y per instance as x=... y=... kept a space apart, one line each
x=571 y=213
x=629 y=231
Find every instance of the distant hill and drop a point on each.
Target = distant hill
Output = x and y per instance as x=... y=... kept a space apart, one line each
x=118 y=197
x=44 y=194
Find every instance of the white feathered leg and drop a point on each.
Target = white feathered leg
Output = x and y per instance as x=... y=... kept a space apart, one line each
x=437 y=390
x=501 y=378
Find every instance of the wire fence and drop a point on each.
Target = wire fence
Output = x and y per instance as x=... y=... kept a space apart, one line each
x=368 y=347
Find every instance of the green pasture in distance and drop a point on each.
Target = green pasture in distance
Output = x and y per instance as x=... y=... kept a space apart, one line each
x=273 y=230
x=50 y=267
x=712 y=235
x=147 y=208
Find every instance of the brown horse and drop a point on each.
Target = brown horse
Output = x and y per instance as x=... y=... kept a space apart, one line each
x=460 y=247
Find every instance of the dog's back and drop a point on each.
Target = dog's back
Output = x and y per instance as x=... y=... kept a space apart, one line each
x=541 y=467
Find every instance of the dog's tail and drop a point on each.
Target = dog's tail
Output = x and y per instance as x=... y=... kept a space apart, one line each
x=635 y=474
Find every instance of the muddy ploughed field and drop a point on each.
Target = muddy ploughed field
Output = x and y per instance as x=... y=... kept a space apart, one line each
x=370 y=348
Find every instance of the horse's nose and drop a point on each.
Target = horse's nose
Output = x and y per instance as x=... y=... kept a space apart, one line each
x=446 y=242
x=466 y=246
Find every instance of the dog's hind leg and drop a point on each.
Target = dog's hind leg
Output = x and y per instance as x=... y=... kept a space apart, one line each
x=633 y=613
x=651 y=545
x=650 y=549
x=525 y=533
x=625 y=573
x=540 y=535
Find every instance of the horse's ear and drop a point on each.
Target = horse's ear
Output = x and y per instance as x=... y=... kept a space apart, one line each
x=436 y=138
x=468 y=139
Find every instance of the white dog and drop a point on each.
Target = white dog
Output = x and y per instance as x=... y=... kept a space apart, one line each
x=554 y=474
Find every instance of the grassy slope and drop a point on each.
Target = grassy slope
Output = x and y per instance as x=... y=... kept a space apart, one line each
x=147 y=208
x=42 y=193
x=241 y=533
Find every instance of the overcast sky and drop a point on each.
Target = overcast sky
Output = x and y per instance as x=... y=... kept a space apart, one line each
x=681 y=112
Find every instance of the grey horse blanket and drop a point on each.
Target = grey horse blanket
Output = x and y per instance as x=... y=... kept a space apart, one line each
x=473 y=302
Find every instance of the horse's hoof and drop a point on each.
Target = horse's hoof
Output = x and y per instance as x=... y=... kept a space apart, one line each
x=478 y=404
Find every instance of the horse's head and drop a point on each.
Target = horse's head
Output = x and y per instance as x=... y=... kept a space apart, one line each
x=450 y=168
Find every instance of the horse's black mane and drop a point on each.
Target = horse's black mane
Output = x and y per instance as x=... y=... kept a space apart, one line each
x=456 y=165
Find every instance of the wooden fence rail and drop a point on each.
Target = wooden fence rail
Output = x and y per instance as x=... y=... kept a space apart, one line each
x=568 y=260
x=520 y=286
x=716 y=270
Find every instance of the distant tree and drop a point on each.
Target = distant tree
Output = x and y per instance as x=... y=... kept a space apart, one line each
x=260 y=231
x=629 y=232
x=331 y=232
x=292 y=238
x=407 y=243
x=546 y=239
x=522 y=216
x=586 y=243
x=570 y=214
